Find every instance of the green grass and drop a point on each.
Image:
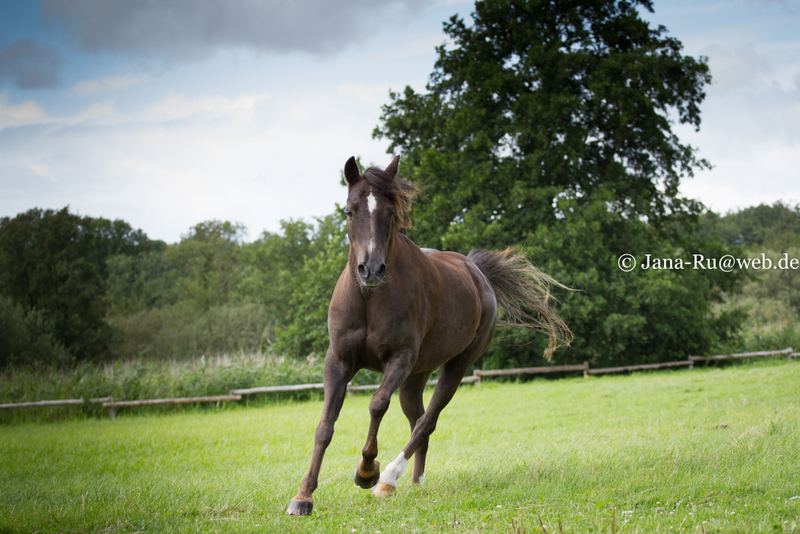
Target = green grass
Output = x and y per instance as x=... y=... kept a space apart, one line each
x=705 y=450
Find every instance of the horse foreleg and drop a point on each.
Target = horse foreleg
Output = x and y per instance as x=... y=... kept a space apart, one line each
x=337 y=375
x=396 y=372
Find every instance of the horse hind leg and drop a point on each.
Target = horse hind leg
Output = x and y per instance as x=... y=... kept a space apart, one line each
x=414 y=408
x=449 y=379
x=368 y=470
x=423 y=428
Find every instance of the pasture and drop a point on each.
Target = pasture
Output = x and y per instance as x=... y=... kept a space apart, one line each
x=706 y=450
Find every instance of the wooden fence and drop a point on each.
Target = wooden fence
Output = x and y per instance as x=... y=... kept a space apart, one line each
x=236 y=394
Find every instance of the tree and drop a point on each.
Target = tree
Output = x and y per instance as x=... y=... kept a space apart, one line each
x=550 y=124
x=540 y=98
x=306 y=329
x=272 y=264
x=776 y=226
x=207 y=259
x=46 y=266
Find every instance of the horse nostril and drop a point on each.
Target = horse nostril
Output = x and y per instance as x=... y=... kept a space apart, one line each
x=362 y=270
x=381 y=272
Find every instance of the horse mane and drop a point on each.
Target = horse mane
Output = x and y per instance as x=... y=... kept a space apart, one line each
x=399 y=191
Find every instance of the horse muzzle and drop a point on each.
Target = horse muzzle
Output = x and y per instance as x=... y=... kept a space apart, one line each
x=371 y=275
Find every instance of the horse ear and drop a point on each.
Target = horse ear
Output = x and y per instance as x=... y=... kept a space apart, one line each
x=351 y=173
x=392 y=168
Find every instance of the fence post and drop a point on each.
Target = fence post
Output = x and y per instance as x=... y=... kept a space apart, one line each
x=585 y=369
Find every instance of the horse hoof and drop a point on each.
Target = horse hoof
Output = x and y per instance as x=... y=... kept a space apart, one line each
x=299 y=508
x=368 y=479
x=383 y=490
x=366 y=482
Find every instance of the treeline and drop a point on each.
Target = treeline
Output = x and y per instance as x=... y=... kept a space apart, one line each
x=770 y=296
x=76 y=288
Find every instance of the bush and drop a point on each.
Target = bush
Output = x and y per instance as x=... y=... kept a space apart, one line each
x=27 y=338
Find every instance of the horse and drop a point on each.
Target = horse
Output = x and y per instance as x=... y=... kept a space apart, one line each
x=406 y=311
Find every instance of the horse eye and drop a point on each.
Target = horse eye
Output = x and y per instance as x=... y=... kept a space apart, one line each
x=348 y=212
x=391 y=211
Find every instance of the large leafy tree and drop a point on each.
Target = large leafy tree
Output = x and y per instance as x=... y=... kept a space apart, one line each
x=550 y=124
x=537 y=98
x=46 y=266
x=53 y=272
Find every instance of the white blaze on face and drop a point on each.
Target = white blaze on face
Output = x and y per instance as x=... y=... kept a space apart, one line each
x=394 y=471
x=372 y=203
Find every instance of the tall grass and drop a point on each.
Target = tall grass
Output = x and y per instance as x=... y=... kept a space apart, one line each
x=707 y=450
x=153 y=379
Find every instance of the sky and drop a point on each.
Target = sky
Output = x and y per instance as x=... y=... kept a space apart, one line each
x=167 y=114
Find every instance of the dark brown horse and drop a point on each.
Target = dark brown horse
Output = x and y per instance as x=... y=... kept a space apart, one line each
x=406 y=311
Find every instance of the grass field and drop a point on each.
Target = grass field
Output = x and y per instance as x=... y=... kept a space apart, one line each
x=705 y=450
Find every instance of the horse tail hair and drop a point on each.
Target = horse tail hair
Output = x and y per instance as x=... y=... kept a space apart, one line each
x=523 y=295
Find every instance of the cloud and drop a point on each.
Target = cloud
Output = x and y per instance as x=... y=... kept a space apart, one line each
x=195 y=29
x=30 y=113
x=174 y=107
x=109 y=84
x=733 y=69
x=30 y=65
x=168 y=164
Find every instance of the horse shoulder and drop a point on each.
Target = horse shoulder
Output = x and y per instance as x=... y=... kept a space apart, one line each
x=346 y=315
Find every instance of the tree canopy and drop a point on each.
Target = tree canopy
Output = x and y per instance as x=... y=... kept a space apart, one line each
x=537 y=99
x=549 y=124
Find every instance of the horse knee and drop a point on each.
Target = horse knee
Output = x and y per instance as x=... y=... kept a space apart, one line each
x=324 y=435
x=424 y=427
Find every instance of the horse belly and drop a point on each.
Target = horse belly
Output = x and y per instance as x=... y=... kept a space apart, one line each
x=453 y=329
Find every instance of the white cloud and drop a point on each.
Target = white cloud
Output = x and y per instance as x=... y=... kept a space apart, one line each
x=30 y=113
x=732 y=69
x=176 y=106
x=249 y=158
x=109 y=84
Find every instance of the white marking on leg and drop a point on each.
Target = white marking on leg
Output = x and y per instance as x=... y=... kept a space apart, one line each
x=372 y=202
x=421 y=479
x=394 y=471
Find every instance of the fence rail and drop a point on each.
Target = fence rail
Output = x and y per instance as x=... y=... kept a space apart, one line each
x=533 y=370
x=64 y=402
x=633 y=368
x=236 y=394
x=788 y=352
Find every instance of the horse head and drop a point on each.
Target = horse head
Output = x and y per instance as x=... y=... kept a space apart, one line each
x=377 y=208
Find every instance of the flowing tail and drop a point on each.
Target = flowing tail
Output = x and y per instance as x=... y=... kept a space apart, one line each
x=523 y=293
